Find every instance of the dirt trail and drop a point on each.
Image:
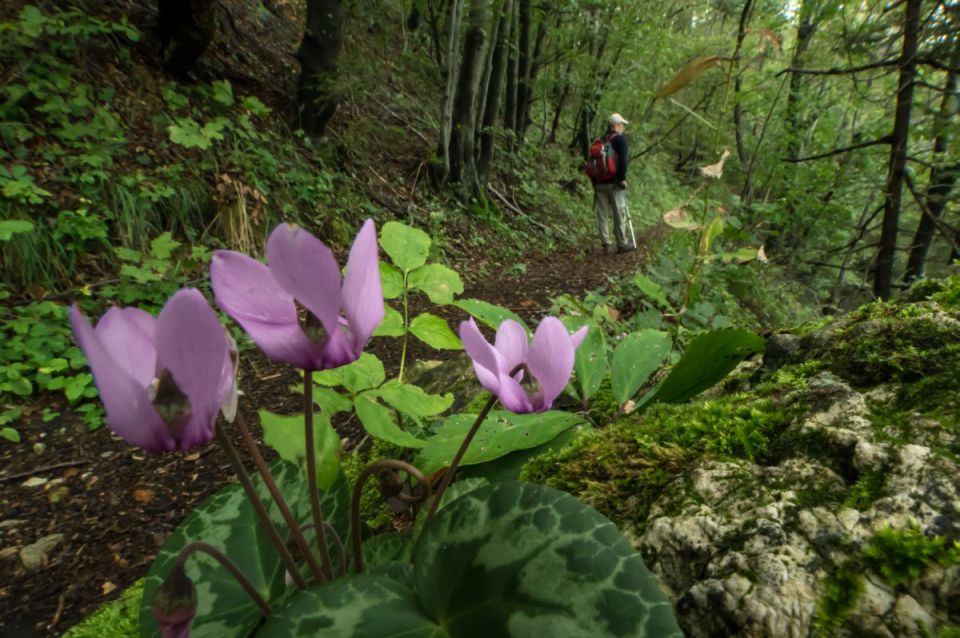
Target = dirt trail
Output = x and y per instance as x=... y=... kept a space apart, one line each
x=114 y=505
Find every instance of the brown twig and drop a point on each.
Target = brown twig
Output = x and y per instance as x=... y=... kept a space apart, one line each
x=45 y=468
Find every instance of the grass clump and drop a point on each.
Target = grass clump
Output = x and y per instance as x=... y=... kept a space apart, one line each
x=843 y=590
x=900 y=556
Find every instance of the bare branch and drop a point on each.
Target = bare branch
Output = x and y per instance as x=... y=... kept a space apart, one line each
x=886 y=139
x=837 y=71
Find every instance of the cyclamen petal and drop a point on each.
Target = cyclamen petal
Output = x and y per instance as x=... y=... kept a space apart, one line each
x=547 y=362
x=302 y=270
x=189 y=349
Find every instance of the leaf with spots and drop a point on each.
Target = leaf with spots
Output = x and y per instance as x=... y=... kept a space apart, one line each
x=508 y=559
x=501 y=433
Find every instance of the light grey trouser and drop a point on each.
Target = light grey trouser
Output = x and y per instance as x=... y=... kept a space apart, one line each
x=611 y=200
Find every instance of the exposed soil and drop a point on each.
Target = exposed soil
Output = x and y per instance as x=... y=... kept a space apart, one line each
x=115 y=505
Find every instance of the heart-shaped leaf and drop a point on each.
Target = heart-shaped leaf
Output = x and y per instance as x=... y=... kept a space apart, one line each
x=408 y=247
x=392 y=324
x=502 y=432
x=708 y=359
x=438 y=282
x=285 y=435
x=379 y=423
x=635 y=359
x=365 y=372
x=488 y=313
x=434 y=332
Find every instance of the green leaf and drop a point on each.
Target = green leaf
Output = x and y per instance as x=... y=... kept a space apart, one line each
x=412 y=400
x=11 y=227
x=519 y=559
x=707 y=360
x=379 y=423
x=163 y=246
x=438 y=282
x=488 y=313
x=355 y=606
x=408 y=247
x=285 y=435
x=590 y=365
x=227 y=521
x=502 y=432
x=435 y=332
x=635 y=359
x=391 y=280
x=365 y=372
x=652 y=289
x=392 y=324
x=223 y=92
x=713 y=229
x=508 y=559
x=10 y=434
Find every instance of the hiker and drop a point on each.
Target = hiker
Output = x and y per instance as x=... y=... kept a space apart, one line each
x=607 y=168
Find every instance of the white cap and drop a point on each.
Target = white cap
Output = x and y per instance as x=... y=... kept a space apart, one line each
x=616 y=118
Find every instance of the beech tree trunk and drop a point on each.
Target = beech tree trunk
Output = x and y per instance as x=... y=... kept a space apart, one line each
x=186 y=28
x=463 y=166
x=495 y=90
x=319 y=54
x=942 y=178
x=523 y=68
x=883 y=274
x=441 y=169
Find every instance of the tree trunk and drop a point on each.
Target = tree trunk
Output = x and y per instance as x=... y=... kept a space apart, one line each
x=441 y=169
x=523 y=107
x=186 y=28
x=319 y=54
x=498 y=68
x=510 y=105
x=523 y=68
x=737 y=109
x=463 y=165
x=561 y=102
x=942 y=178
x=883 y=275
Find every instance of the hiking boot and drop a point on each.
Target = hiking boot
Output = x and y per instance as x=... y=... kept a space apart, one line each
x=625 y=249
x=608 y=249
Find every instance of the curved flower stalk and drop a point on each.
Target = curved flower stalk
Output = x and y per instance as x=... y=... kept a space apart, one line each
x=525 y=377
x=161 y=380
x=302 y=272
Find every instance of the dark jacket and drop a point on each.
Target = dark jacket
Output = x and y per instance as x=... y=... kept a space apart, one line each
x=619 y=144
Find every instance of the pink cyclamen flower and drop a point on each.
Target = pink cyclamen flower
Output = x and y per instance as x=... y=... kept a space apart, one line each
x=340 y=318
x=543 y=365
x=161 y=380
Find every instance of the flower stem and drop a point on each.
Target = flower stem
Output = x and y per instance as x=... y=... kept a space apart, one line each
x=224 y=560
x=260 y=508
x=448 y=475
x=271 y=484
x=406 y=328
x=311 y=452
x=337 y=544
x=376 y=468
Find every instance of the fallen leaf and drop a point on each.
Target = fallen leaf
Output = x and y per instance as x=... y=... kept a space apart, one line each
x=527 y=303
x=107 y=587
x=35 y=481
x=613 y=312
x=71 y=472
x=679 y=218
x=715 y=170
x=143 y=495
x=629 y=406
x=58 y=493
x=193 y=456
x=762 y=255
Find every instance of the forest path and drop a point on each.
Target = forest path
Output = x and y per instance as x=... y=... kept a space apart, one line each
x=115 y=505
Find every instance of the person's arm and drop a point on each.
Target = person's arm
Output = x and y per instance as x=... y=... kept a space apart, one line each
x=619 y=144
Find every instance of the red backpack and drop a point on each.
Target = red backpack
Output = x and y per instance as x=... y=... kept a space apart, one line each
x=602 y=160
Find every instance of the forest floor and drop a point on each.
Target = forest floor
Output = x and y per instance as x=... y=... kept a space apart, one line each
x=105 y=508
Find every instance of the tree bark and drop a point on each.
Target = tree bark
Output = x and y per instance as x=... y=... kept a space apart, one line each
x=495 y=90
x=441 y=169
x=319 y=55
x=883 y=274
x=463 y=166
x=186 y=28
x=942 y=178
x=523 y=68
x=737 y=109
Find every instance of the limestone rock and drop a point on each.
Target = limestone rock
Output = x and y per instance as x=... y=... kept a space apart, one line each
x=37 y=555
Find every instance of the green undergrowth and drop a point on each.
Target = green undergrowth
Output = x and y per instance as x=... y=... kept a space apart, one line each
x=119 y=618
x=897 y=557
x=622 y=469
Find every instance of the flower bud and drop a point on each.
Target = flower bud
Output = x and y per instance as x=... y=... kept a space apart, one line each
x=175 y=604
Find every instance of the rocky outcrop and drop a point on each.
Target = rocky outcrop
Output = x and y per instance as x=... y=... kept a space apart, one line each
x=818 y=495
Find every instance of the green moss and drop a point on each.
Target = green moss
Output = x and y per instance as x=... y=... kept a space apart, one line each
x=949 y=294
x=476 y=404
x=118 y=619
x=900 y=556
x=373 y=510
x=842 y=591
x=867 y=489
